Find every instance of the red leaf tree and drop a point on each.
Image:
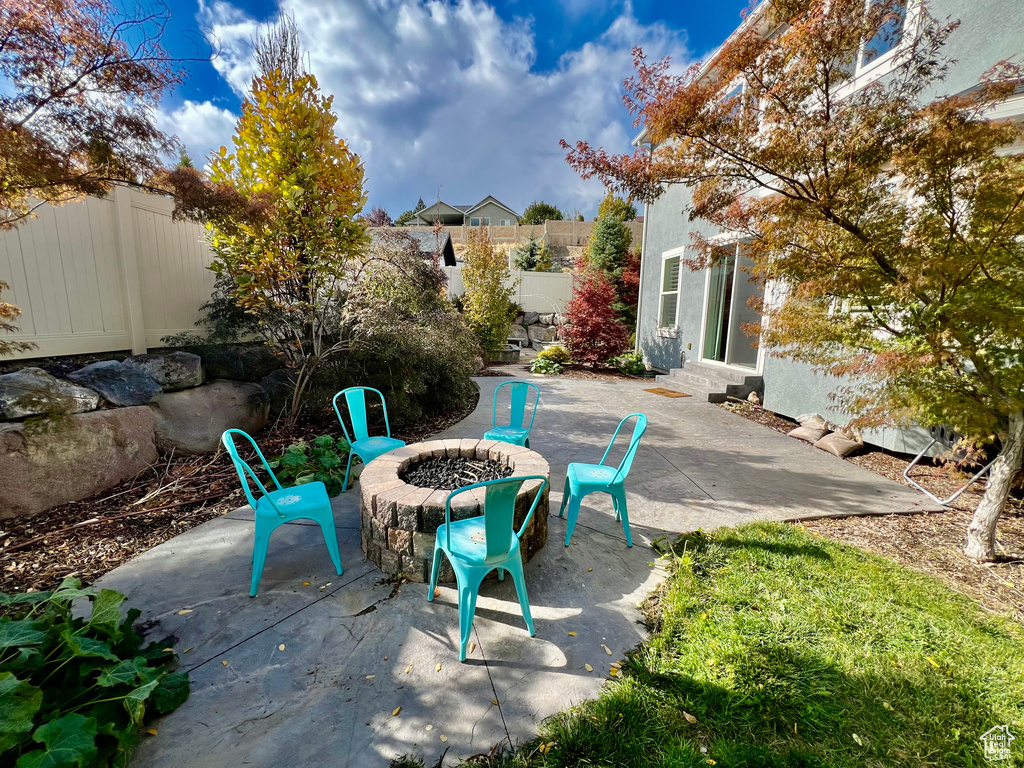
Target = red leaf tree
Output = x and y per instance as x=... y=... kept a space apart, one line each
x=594 y=334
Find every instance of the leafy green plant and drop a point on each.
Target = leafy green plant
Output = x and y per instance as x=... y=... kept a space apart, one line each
x=545 y=367
x=556 y=354
x=323 y=459
x=631 y=363
x=75 y=691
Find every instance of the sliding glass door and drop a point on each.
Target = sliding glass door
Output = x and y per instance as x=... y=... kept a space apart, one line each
x=730 y=290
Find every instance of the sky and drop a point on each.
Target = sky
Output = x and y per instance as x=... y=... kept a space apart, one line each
x=457 y=99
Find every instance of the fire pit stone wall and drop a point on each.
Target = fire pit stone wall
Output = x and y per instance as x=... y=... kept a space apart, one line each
x=399 y=521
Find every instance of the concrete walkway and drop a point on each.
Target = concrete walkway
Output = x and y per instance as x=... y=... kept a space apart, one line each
x=311 y=675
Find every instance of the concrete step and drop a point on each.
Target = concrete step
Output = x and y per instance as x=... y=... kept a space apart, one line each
x=715 y=372
x=713 y=384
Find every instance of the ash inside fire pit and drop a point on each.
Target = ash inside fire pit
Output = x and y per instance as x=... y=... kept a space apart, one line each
x=448 y=474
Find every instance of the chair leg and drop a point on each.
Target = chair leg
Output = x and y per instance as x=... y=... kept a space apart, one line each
x=518 y=579
x=348 y=468
x=527 y=442
x=565 y=497
x=501 y=574
x=433 y=572
x=574 y=511
x=619 y=495
x=469 y=586
x=615 y=506
x=259 y=556
x=331 y=537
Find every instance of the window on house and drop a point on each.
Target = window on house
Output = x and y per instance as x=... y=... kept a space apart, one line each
x=486 y=221
x=669 y=292
x=888 y=36
x=474 y=222
x=506 y=223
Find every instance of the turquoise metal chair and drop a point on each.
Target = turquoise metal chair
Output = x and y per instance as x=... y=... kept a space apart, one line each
x=308 y=501
x=582 y=479
x=514 y=433
x=365 y=447
x=477 y=546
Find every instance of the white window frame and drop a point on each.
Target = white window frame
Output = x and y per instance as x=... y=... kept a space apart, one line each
x=670 y=331
x=485 y=221
x=474 y=221
x=863 y=74
x=505 y=223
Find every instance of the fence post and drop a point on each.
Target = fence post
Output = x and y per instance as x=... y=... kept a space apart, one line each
x=129 y=262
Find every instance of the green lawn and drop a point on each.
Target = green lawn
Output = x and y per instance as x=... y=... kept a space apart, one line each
x=776 y=648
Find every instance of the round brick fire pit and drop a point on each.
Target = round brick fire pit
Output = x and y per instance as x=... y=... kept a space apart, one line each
x=399 y=521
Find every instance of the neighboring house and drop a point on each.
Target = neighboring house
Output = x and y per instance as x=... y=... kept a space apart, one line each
x=689 y=323
x=488 y=212
x=428 y=243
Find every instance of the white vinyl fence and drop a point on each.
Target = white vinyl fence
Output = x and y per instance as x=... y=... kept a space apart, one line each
x=536 y=291
x=105 y=275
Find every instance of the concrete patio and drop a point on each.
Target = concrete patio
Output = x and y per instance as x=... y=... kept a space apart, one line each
x=355 y=648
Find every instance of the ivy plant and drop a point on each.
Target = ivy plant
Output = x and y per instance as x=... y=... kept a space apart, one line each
x=74 y=689
x=322 y=459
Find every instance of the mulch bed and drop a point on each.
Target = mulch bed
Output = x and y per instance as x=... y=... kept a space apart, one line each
x=91 y=537
x=932 y=543
x=447 y=474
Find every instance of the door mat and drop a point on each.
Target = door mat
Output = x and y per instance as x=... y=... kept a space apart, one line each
x=666 y=392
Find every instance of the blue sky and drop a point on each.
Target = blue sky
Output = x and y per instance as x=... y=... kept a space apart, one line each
x=459 y=98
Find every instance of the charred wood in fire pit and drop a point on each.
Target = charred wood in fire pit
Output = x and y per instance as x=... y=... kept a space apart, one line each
x=447 y=474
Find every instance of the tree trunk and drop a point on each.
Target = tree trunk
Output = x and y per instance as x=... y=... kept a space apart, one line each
x=981 y=533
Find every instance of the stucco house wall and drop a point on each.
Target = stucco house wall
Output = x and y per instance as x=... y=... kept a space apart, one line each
x=990 y=31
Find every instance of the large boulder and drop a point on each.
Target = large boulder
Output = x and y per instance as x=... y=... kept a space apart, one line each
x=32 y=391
x=191 y=421
x=519 y=332
x=118 y=384
x=239 y=363
x=561 y=319
x=547 y=319
x=72 y=459
x=173 y=371
x=531 y=318
x=543 y=333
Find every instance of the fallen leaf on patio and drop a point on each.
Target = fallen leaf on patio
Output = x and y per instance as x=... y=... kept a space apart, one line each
x=606 y=649
x=589 y=570
x=183 y=611
x=472 y=647
x=588 y=668
x=617 y=665
x=225 y=663
x=151 y=731
x=408 y=669
x=385 y=658
x=168 y=650
x=437 y=591
x=323 y=587
x=188 y=649
x=437 y=668
x=328 y=583
x=280 y=647
x=689 y=718
x=572 y=634
x=370 y=677
x=430 y=728
x=397 y=710
x=494 y=702
x=443 y=737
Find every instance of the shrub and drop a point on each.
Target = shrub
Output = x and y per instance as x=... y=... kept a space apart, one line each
x=323 y=459
x=527 y=254
x=556 y=354
x=488 y=299
x=594 y=334
x=545 y=366
x=74 y=691
x=631 y=363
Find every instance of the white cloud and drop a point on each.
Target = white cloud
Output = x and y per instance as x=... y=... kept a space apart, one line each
x=444 y=96
x=201 y=126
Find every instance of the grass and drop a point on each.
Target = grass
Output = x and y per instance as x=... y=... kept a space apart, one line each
x=771 y=647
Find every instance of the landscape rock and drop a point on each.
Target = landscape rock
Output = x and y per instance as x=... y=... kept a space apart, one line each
x=173 y=371
x=279 y=386
x=561 y=320
x=118 y=384
x=544 y=333
x=73 y=459
x=519 y=332
x=32 y=391
x=246 y=363
x=548 y=319
x=191 y=421
x=530 y=318
x=519 y=319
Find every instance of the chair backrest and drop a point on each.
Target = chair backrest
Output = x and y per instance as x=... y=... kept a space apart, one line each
x=518 y=395
x=242 y=467
x=355 y=399
x=499 y=512
x=634 y=442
